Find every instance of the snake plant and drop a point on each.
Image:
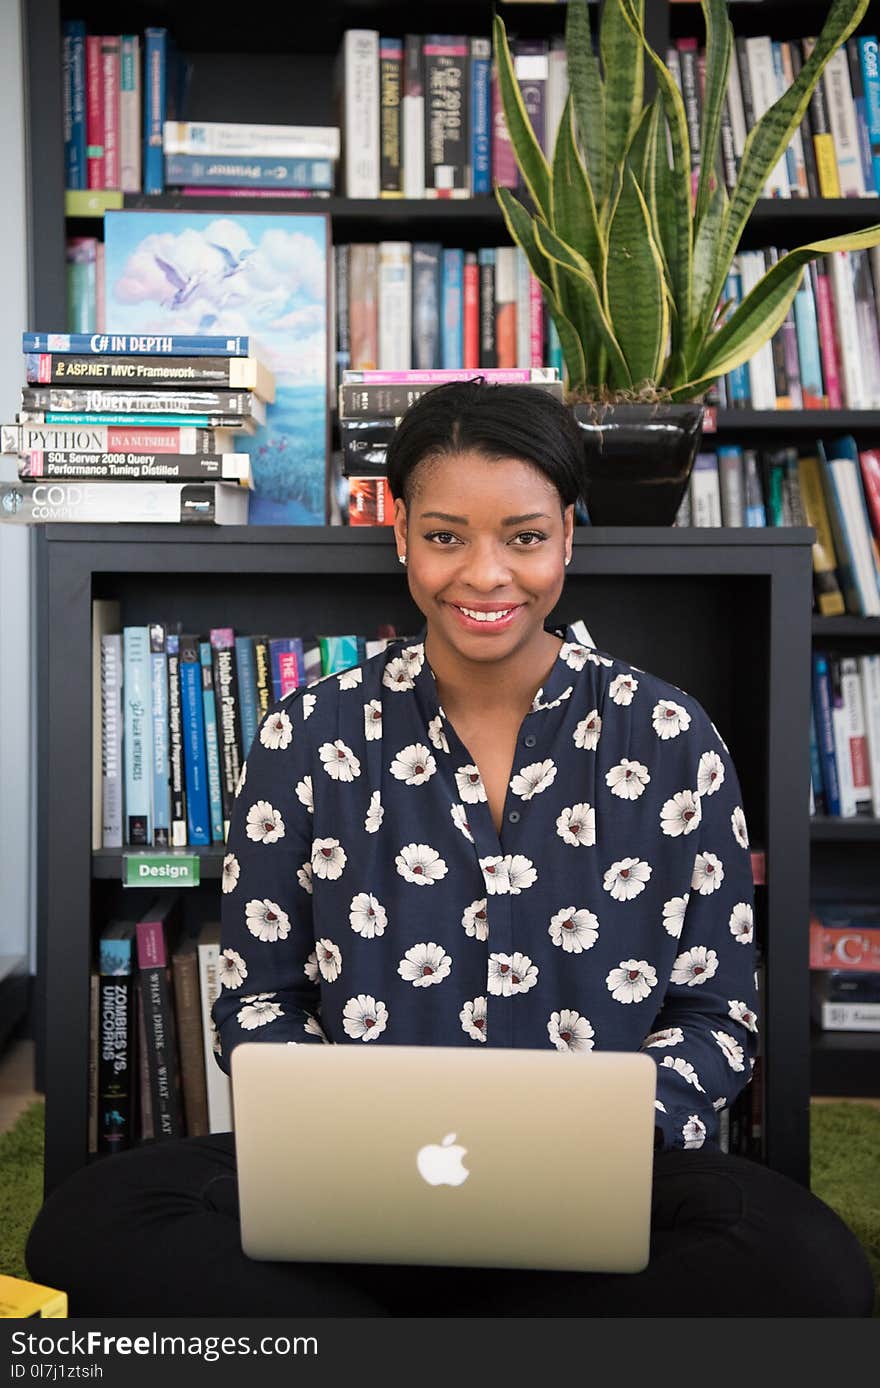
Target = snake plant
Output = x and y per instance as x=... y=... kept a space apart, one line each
x=631 y=261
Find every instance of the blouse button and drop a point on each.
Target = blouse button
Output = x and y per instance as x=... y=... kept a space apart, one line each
x=514 y=816
x=530 y=740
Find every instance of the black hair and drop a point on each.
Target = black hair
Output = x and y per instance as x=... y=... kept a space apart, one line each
x=497 y=421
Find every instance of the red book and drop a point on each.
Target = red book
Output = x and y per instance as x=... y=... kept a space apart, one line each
x=504 y=170
x=827 y=335
x=370 y=501
x=110 y=44
x=536 y=323
x=855 y=946
x=869 y=461
x=94 y=112
x=471 y=312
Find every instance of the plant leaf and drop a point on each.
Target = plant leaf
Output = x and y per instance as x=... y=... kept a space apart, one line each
x=705 y=250
x=572 y=206
x=635 y=292
x=580 y=273
x=588 y=95
x=529 y=155
x=719 y=44
x=624 y=64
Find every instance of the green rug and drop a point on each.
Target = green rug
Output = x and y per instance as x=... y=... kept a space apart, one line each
x=845 y=1146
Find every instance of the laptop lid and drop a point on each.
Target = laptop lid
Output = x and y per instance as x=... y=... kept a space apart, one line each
x=444 y=1155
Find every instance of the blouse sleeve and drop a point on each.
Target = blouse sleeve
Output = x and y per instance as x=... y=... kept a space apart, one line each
x=268 y=974
x=704 y=1038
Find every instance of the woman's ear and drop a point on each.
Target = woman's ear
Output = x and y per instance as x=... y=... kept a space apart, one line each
x=568 y=530
x=400 y=525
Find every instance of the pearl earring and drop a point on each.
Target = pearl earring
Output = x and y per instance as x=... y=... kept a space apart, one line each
x=568 y=561
x=401 y=558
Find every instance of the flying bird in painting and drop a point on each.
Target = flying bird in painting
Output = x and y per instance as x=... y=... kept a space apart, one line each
x=184 y=288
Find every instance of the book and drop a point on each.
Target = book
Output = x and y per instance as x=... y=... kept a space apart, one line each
x=161 y=793
x=139 y=344
x=505 y=307
x=130 y=162
x=488 y=346
x=869 y=669
x=370 y=501
x=845 y=936
x=357 y=85
x=175 y=742
x=755 y=511
x=394 y=292
x=26 y=437
x=144 y=1101
x=228 y=716
x=823 y=140
x=854 y=737
x=94 y=1028
x=116 y=1037
x=287 y=660
x=842 y=119
x=413 y=118
x=840 y=718
x=363 y=306
x=171 y=404
x=192 y=717
x=365 y=445
x=156 y=934
x=823 y=711
x=232 y=373
x=513 y=376
x=855 y=395
x=110 y=45
x=73 y=70
x=191 y=503
x=807 y=333
x=764 y=93
x=531 y=64
x=111 y=742
x=828 y=350
x=211 y=138
x=481 y=115
x=850 y=525
x=451 y=315
x=829 y=598
x=94 y=113
x=731 y=477
x=217 y=1083
x=251 y=171
x=705 y=491
x=246 y=672
x=212 y=744
x=427 y=279
x=868 y=58
x=81 y=261
x=866 y=326
x=137 y=735
x=338 y=653
x=188 y=1015
x=857 y=85
x=263 y=676
x=447 y=134
x=471 y=312
x=845 y=1016
x=390 y=117
x=155 y=97
x=68 y=464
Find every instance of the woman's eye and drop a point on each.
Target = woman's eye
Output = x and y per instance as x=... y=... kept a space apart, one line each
x=532 y=536
x=441 y=535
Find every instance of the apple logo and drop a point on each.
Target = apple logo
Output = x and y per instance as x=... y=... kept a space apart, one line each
x=440 y=1164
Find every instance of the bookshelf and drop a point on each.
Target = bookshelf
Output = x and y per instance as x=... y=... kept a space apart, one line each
x=746 y=592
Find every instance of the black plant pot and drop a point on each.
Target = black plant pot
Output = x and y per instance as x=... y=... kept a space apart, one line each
x=637 y=460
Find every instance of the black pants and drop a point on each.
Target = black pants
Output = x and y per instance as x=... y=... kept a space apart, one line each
x=154 y=1232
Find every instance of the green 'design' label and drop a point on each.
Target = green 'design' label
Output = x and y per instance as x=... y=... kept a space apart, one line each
x=160 y=870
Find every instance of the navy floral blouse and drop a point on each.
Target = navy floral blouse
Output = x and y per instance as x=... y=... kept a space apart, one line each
x=368 y=898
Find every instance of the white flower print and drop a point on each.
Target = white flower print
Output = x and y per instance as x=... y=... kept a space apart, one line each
x=266 y=920
x=673 y=914
x=510 y=974
x=304 y=793
x=373 y=720
x=694 y=1132
x=277 y=731
x=340 y=762
x=363 y=1018
x=740 y=1013
x=460 y=820
x=588 y=731
x=329 y=958
x=231 y=969
x=577 y=825
x=396 y=675
x=308 y=704
x=661 y=1108
x=413 y=658
x=414 y=765
x=741 y=924
x=718 y=1104
x=375 y=813
x=595 y=659
x=436 y=735
x=242 y=777
x=733 y=1051
x=258 y=1011
x=628 y=779
x=312 y=1027
x=231 y=870
x=495 y=876
x=681 y=814
x=421 y=864
x=708 y=874
x=574 y=655
x=310 y=968
x=473 y=1019
x=632 y=981
x=670 y=719
x=367 y=916
x=531 y=780
x=627 y=878
x=470 y=785
x=264 y=823
x=521 y=873
x=569 y=1031
x=425 y=964
x=350 y=679
x=304 y=877
x=694 y=966
x=669 y=1036
x=575 y=930
x=538 y=706
x=684 y=1068
x=738 y=825
x=622 y=689
x=328 y=858
x=476 y=920
x=710 y=773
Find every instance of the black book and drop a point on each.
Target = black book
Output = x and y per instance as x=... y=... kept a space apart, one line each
x=156 y=935
x=116 y=1037
x=488 y=348
x=797 y=63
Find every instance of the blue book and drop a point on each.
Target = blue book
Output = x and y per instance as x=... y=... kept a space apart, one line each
x=841 y=477
x=137 y=736
x=481 y=116
x=288 y=665
x=554 y=347
x=248 y=171
x=338 y=653
x=426 y=277
x=809 y=358
x=756 y=514
x=737 y=380
x=161 y=783
x=816 y=765
x=246 y=665
x=155 y=84
x=869 y=58
x=139 y=344
x=212 y=743
x=192 y=708
x=857 y=83
x=199 y=421
x=452 y=321
x=73 y=64
x=823 y=710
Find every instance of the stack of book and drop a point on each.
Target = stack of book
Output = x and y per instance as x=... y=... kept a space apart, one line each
x=370 y=406
x=845 y=736
x=845 y=966
x=212 y=158
x=118 y=427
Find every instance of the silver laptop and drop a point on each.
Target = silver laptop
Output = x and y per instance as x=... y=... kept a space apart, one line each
x=444 y=1155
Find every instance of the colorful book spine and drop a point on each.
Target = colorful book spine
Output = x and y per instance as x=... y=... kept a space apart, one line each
x=137 y=735
x=823 y=140
x=153 y=943
x=263 y=677
x=359 y=93
x=26 y=438
x=219 y=1090
x=110 y=102
x=832 y=486
x=338 y=653
x=94 y=113
x=81 y=256
x=427 y=278
x=828 y=349
x=855 y=734
x=363 y=305
x=188 y=1015
x=452 y=320
x=505 y=173
x=823 y=711
x=212 y=743
x=413 y=118
x=159 y=691
x=251 y=171
x=395 y=305
x=228 y=715
x=136 y=467
x=246 y=670
x=73 y=63
x=288 y=670
x=63 y=368
x=826 y=589
x=852 y=365
x=447 y=138
x=755 y=511
x=175 y=742
x=505 y=307
x=242 y=405
x=130 y=139
x=842 y=117
x=238 y=139
x=155 y=84
x=111 y=742
x=819 y=803
x=471 y=312
x=870 y=65
x=536 y=323
x=523 y=310
x=481 y=116
x=139 y=344
x=390 y=117
x=198 y=821
x=531 y=64
x=738 y=394
x=488 y=346
x=857 y=84
x=116 y=1036
x=807 y=330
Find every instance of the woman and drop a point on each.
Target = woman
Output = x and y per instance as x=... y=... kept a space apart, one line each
x=490 y=835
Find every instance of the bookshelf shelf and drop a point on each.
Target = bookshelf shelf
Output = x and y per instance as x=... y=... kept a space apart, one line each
x=784 y=422
x=828 y=829
x=845 y=1064
x=107 y=862
x=832 y=628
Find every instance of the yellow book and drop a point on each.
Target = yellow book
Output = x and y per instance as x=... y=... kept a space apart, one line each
x=21 y=1300
x=826 y=166
x=828 y=594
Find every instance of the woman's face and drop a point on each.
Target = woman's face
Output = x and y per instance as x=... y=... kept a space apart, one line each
x=484 y=536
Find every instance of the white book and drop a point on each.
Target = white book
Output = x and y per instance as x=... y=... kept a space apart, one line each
x=272 y=141
x=869 y=668
x=848 y=1016
x=855 y=394
x=854 y=711
x=705 y=490
x=732 y=482
x=856 y=521
x=557 y=91
x=216 y=1080
x=395 y=305
x=506 y=291
x=762 y=381
x=867 y=325
x=800 y=188
x=735 y=109
x=413 y=118
x=105 y=620
x=358 y=88
x=844 y=128
x=840 y=735
x=99 y=503
x=523 y=309
x=762 y=75
x=130 y=138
